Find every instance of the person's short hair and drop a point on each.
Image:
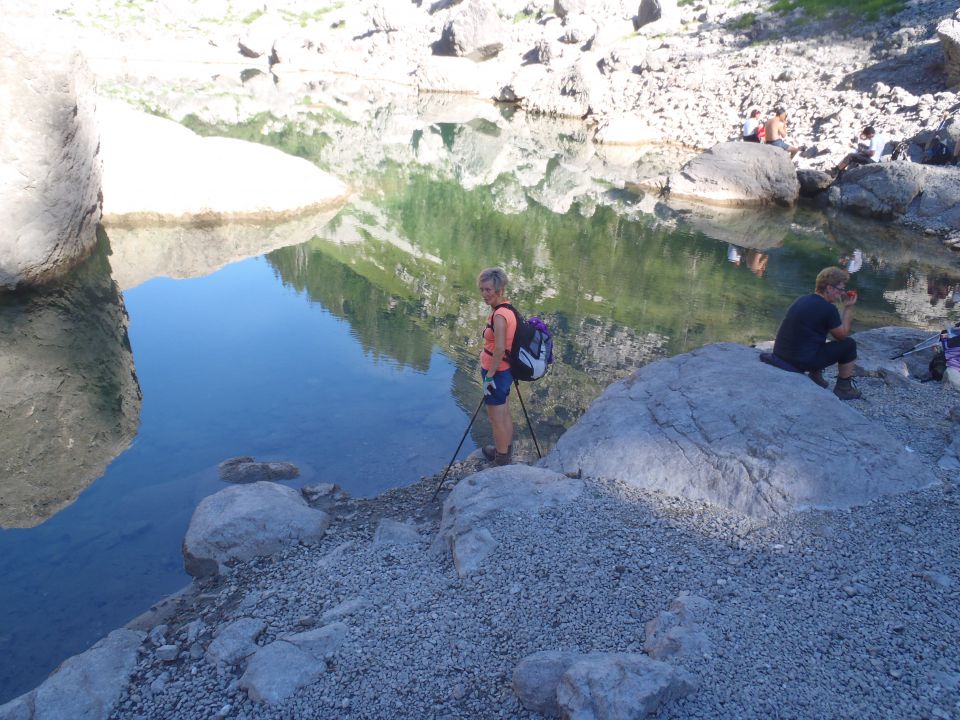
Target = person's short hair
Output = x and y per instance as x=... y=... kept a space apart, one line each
x=869 y=131
x=778 y=111
x=754 y=112
x=495 y=276
x=831 y=276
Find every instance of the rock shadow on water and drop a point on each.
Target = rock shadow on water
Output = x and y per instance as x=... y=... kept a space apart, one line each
x=69 y=394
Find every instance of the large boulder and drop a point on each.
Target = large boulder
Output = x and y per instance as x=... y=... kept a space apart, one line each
x=157 y=171
x=738 y=173
x=51 y=167
x=876 y=349
x=919 y=195
x=949 y=33
x=512 y=489
x=655 y=17
x=69 y=394
x=86 y=686
x=244 y=521
x=705 y=425
x=474 y=29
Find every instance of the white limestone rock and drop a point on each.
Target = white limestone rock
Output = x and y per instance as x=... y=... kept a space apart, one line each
x=391 y=532
x=474 y=29
x=876 y=347
x=685 y=426
x=236 y=641
x=50 y=164
x=619 y=686
x=738 y=173
x=157 y=171
x=512 y=489
x=536 y=677
x=244 y=521
x=86 y=686
x=276 y=671
x=949 y=33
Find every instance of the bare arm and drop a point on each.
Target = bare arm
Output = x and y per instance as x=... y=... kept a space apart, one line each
x=842 y=331
x=499 y=341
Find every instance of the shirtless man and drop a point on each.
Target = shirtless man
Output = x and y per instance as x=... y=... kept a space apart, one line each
x=777 y=131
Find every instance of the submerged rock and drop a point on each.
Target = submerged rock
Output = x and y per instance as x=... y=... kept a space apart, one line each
x=246 y=469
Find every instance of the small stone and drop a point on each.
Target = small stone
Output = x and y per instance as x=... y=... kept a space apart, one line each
x=168 y=653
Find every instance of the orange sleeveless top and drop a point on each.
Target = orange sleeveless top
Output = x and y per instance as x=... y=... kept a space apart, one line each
x=486 y=357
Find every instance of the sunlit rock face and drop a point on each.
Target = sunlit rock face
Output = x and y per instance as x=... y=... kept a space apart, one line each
x=50 y=168
x=176 y=251
x=69 y=395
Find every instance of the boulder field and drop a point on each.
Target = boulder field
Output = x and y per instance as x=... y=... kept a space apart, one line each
x=592 y=592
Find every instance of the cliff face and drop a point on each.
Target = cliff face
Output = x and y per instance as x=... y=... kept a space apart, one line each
x=69 y=395
x=50 y=199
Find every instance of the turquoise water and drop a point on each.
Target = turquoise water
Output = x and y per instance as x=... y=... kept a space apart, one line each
x=355 y=361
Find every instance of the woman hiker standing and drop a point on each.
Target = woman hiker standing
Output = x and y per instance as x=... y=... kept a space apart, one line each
x=495 y=366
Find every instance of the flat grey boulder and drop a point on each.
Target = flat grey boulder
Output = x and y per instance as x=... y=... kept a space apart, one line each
x=876 y=347
x=50 y=155
x=709 y=425
x=391 y=532
x=246 y=469
x=919 y=195
x=158 y=171
x=512 y=489
x=597 y=685
x=244 y=521
x=86 y=686
x=738 y=173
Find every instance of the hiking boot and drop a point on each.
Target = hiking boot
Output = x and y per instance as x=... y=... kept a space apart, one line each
x=817 y=377
x=845 y=389
x=490 y=452
x=504 y=458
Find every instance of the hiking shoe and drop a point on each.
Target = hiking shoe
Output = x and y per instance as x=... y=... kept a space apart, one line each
x=845 y=389
x=489 y=452
x=817 y=377
x=504 y=458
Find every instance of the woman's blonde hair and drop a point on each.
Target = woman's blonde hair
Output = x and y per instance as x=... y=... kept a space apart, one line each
x=495 y=276
x=831 y=276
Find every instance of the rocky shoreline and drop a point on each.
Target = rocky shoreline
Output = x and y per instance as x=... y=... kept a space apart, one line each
x=835 y=613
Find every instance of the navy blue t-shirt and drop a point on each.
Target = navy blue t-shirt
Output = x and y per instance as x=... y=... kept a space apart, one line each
x=804 y=329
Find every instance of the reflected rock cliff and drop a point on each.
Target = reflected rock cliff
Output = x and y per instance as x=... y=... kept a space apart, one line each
x=69 y=395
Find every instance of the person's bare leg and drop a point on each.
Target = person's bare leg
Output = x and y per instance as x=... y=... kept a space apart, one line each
x=502 y=423
x=845 y=370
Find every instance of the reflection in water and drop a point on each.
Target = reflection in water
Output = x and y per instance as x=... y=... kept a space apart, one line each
x=69 y=397
x=140 y=253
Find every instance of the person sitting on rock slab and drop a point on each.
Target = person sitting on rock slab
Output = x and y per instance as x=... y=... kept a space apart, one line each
x=753 y=130
x=802 y=337
x=869 y=149
x=776 y=131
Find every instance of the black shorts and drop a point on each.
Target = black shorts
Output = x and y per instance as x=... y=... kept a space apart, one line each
x=839 y=351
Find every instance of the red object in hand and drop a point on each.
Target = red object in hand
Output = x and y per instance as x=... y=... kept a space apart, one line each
x=851 y=293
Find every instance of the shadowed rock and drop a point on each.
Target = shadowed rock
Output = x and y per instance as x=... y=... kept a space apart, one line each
x=706 y=425
x=245 y=469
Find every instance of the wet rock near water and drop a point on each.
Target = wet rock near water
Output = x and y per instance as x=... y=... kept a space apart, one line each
x=247 y=469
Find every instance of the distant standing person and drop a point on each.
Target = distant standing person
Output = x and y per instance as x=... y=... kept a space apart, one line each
x=802 y=337
x=776 y=130
x=869 y=148
x=495 y=366
x=753 y=130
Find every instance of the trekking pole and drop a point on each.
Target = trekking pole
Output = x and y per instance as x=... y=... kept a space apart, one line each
x=535 y=443
x=434 y=496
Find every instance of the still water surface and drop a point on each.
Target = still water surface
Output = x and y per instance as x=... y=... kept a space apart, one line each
x=352 y=356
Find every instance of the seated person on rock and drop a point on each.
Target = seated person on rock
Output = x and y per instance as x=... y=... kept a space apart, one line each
x=869 y=148
x=753 y=130
x=776 y=131
x=802 y=337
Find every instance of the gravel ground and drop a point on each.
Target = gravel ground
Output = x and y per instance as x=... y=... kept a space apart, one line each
x=848 y=614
